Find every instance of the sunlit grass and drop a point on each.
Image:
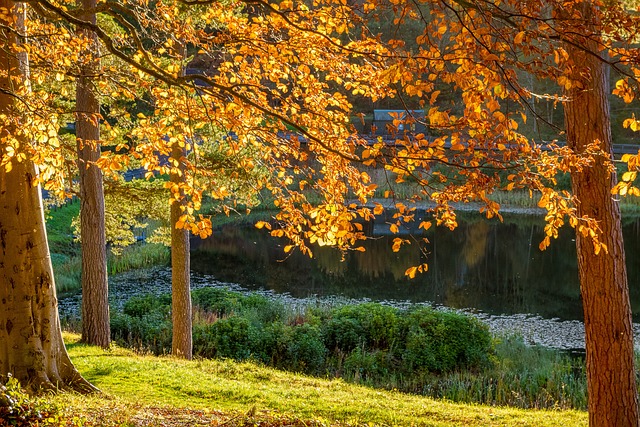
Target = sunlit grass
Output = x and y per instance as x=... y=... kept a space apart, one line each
x=136 y=384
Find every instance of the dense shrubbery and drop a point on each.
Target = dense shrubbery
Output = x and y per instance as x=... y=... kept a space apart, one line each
x=364 y=342
x=421 y=350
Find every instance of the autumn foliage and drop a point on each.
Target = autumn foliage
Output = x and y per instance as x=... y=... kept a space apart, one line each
x=258 y=95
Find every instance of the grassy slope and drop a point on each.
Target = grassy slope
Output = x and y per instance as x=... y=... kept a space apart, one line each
x=160 y=388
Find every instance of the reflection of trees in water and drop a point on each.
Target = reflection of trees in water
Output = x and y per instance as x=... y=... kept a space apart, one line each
x=330 y=261
x=486 y=265
x=379 y=261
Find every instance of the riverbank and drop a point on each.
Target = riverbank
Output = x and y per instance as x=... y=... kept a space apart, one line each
x=534 y=330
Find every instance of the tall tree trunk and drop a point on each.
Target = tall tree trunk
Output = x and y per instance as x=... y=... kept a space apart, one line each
x=180 y=269
x=95 y=288
x=31 y=346
x=182 y=338
x=613 y=396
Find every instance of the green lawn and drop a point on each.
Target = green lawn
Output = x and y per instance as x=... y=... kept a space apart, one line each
x=148 y=390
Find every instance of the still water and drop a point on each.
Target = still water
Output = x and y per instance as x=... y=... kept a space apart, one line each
x=485 y=265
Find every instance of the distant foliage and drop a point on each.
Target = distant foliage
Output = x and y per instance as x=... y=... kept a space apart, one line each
x=365 y=342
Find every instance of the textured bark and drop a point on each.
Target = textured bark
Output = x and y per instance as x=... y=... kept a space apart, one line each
x=613 y=397
x=180 y=274
x=31 y=346
x=95 y=288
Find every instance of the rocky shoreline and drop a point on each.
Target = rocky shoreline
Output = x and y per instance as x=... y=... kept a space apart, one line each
x=535 y=330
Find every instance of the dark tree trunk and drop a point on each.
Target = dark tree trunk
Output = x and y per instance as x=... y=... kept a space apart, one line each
x=613 y=397
x=95 y=289
x=31 y=346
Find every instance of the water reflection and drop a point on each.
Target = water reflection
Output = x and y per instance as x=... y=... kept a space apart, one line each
x=491 y=266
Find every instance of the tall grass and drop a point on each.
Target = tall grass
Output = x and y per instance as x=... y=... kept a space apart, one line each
x=141 y=255
x=67 y=270
x=522 y=376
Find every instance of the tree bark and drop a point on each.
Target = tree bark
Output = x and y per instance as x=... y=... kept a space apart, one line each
x=31 y=345
x=180 y=270
x=95 y=288
x=613 y=396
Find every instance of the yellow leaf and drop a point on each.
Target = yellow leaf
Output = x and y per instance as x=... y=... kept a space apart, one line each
x=288 y=248
x=263 y=224
x=628 y=176
x=518 y=38
x=425 y=225
x=411 y=272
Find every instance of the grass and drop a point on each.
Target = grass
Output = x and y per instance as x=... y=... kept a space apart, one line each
x=66 y=253
x=148 y=390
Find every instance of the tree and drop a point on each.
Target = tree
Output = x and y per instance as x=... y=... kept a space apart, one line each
x=275 y=96
x=95 y=288
x=487 y=53
x=613 y=395
x=32 y=349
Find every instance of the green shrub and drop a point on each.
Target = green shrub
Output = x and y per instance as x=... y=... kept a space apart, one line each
x=444 y=341
x=343 y=334
x=151 y=332
x=368 y=343
x=140 y=306
x=230 y=337
x=272 y=345
x=144 y=324
x=368 y=367
x=371 y=325
x=223 y=302
x=220 y=301
x=306 y=351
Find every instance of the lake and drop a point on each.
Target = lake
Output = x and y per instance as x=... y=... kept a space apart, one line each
x=483 y=265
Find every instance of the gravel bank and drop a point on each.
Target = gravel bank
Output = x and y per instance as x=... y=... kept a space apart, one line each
x=555 y=333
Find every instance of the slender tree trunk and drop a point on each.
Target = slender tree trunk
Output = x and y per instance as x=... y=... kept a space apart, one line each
x=95 y=288
x=182 y=338
x=31 y=346
x=613 y=396
x=180 y=271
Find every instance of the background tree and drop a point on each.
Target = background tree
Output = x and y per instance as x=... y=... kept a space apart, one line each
x=95 y=287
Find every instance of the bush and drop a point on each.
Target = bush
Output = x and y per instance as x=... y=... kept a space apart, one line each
x=368 y=367
x=144 y=305
x=272 y=345
x=306 y=351
x=219 y=301
x=371 y=325
x=228 y=338
x=151 y=332
x=144 y=324
x=223 y=303
x=444 y=341
x=370 y=343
